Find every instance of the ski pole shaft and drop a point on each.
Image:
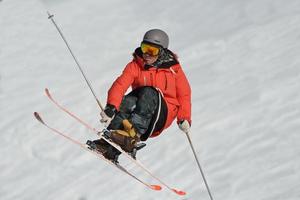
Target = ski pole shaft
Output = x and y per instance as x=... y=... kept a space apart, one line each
x=199 y=166
x=50 y=16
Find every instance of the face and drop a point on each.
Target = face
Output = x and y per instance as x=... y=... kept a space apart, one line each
x=149 y=60
x=150 y=53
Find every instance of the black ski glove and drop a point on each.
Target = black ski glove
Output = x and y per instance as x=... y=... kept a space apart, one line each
x=110 y=110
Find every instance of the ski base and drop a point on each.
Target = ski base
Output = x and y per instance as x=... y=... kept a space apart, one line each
x=101 y=135
x=98 y=154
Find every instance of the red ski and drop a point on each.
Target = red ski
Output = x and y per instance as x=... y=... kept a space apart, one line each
x=99 y=155
x=99 y=133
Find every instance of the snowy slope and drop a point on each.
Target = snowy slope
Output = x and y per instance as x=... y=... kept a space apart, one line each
x=242 y=60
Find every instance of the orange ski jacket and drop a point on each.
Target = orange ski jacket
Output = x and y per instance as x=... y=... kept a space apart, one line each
x=170 y=80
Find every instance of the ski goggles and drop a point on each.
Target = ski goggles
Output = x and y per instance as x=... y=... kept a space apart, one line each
x=150 y=49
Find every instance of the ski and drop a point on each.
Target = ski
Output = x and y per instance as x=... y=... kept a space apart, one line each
x=99 y=133
x=99 y=155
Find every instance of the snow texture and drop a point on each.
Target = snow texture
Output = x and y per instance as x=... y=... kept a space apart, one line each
x=242 y=60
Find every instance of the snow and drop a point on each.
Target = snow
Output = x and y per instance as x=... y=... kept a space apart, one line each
x=242 y=60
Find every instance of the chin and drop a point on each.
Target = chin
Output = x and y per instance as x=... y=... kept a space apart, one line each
x=149 y=63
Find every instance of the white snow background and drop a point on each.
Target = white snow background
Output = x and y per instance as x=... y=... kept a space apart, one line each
x=243 y=62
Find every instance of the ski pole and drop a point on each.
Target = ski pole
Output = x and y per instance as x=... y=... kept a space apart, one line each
x=199 y=166
x=50 y=16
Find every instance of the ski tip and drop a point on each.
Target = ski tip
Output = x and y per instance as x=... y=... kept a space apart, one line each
x=179 y=192
x=155 y=187
x=38 y=117
x=47 y=91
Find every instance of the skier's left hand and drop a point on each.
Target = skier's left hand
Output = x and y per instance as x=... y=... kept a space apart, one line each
x=184 y=125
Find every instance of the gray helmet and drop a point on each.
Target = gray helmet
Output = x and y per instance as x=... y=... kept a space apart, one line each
x=157 y=36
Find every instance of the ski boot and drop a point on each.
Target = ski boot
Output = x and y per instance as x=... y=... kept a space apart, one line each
x=105 y=149
x=128 y=139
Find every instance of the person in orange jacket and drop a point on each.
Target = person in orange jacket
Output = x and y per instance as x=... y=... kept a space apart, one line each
x=160 y=93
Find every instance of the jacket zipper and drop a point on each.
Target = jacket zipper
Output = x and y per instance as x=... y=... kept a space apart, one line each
x=151 y=78
x=166 y=82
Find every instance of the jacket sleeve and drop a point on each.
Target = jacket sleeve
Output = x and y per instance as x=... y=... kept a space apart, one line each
x=121 y=84
x=183 y=91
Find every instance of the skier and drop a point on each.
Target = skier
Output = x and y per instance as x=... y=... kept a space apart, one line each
x=160 y=93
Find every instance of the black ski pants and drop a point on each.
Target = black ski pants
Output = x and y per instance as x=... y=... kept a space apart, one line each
x=145 y=108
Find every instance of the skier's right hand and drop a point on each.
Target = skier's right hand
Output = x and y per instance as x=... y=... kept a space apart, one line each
x=107 y=114
x=184 y=125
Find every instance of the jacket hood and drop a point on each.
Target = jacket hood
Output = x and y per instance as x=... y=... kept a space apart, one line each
x=165 y=60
